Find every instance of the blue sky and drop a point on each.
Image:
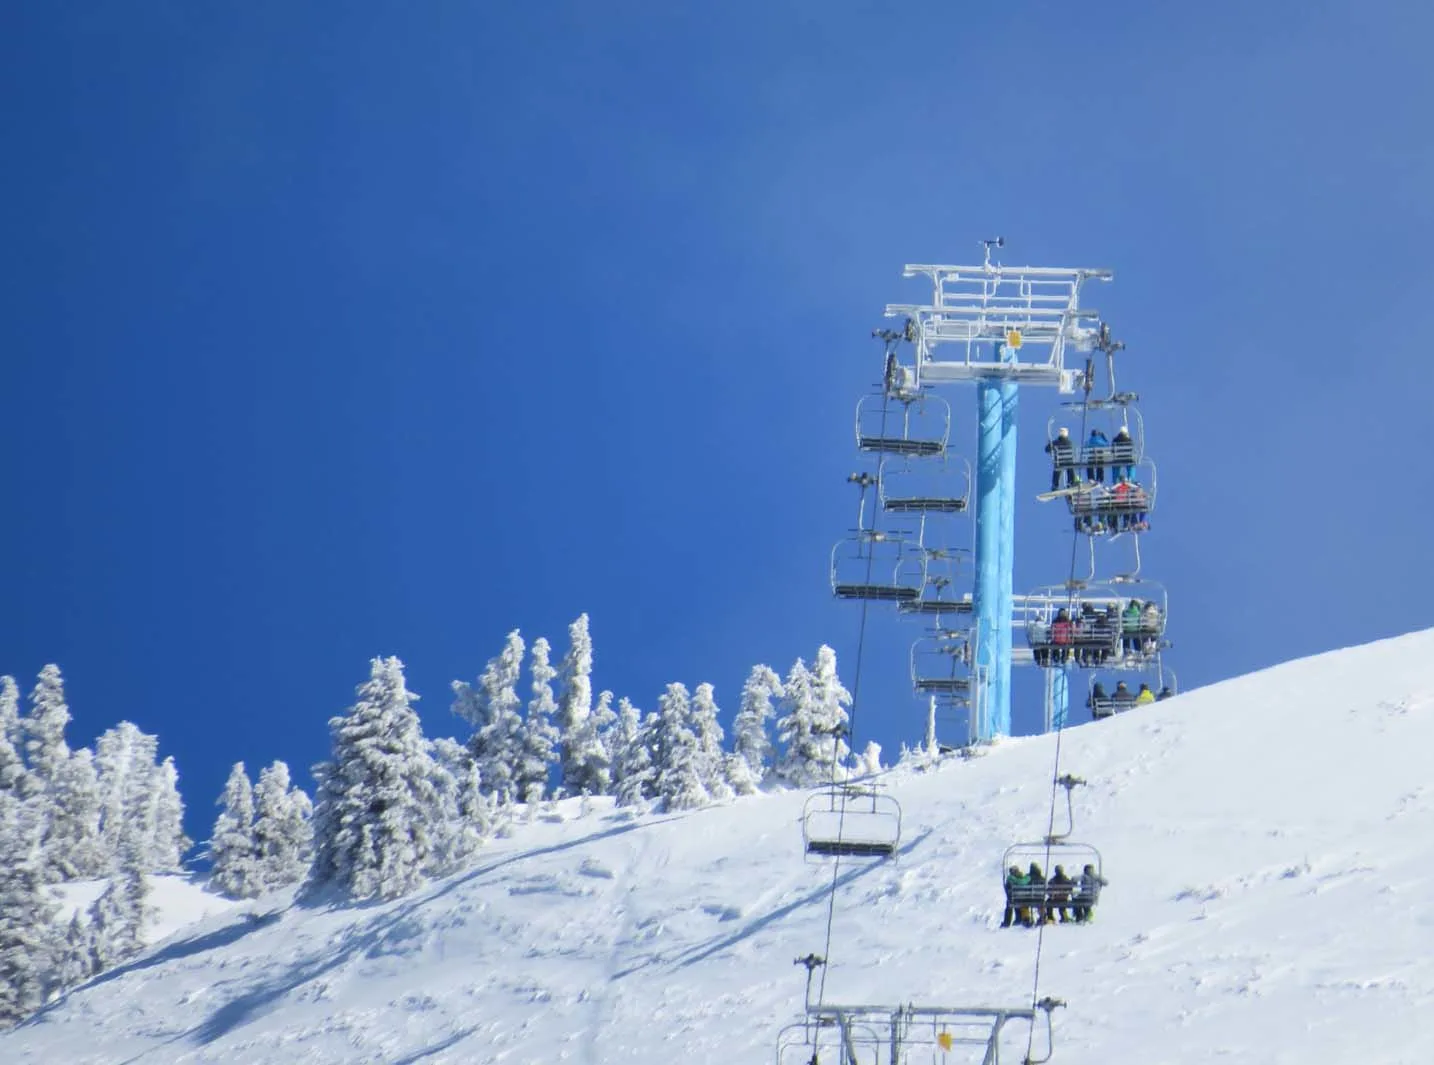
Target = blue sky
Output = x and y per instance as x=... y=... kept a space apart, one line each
x=336 y=331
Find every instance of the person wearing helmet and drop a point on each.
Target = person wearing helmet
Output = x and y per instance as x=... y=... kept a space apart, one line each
x=1062 y=453
x=1165 y=693
x=1015 y=879
x=1122 y=453
x=1144 y=696
x=1087 y=892
x=1099 y=702
x=1097 y=455
x=1123 y=698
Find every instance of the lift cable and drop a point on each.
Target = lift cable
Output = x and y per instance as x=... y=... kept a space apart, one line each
x=1060 y=724
x=865 y=481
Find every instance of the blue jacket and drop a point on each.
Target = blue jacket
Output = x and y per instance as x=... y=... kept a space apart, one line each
x=1097 y=439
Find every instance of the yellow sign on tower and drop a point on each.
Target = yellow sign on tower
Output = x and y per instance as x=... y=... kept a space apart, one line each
x=943 y=1040
x=1013 y=338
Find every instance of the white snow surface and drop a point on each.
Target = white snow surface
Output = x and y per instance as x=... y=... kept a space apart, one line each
x=178 y=902
x=1267 y=841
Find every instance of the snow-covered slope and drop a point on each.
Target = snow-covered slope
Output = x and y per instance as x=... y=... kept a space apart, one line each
x=177 y=902
x=1271 y=899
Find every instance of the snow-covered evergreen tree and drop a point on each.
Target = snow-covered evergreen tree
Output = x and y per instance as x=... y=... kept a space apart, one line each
x=591 y=750
x=167 y=843
x=119 y=916
x=711 y=768
x=73 y=847
x=677 y=755
x=633 y=772
x=376 y=816
x=76 y=955
x=493 y=711
x=283 y=833
x=540 y=737
x=466 y=817
x=831 y=701
x=125 y=762
x=751 y=757
x=235 y=871
x=12 y=766
x=26 y=909
x=45 y=749
x=585 y=762
x=814 y=724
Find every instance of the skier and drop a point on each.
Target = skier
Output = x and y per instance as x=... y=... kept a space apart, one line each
x=1087 y=892
x=1061 y=888
x=1097 y=454
x=1122 y=453
x=1015 y=879
x=1099 y=702
x=1062 y=453
x=1144 y=696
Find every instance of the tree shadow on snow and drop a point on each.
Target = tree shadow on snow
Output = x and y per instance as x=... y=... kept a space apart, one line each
x=700 y=953
x=384 y=934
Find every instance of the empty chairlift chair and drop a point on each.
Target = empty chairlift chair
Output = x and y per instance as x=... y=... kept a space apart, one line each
x=941 y=665
x=878 y=566
x=916 y=426
x=924 y=486
x=851 y=820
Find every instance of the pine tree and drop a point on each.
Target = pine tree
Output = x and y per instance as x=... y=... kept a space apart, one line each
x=493 y=709
x=167 y=843
x=77 y=954
x=45 y=749
x=711 y=769
x=540 y=737
x=592 y=756
x=751 y=746
x=283 y=834
x=677 y=756
x=235 y=870
x=73 y=847
x=831 y=701
x=13 y=777
x=633 y=772
x=466 y=817
x=125 y=762
x=801 y=764
x=119 y=916
x=376 y=817
x=576 y=728
x=26 y=909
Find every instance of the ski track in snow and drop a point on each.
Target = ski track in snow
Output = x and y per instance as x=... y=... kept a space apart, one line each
x=1267 y=842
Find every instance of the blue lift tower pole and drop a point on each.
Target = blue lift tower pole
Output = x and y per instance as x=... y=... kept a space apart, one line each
x=998 y=327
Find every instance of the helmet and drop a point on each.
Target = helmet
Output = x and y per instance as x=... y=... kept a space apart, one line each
x=1064 y=431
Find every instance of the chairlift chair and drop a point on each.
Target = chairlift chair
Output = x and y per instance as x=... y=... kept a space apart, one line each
x=924 y=485
x=940 y=597
x=1107 y=509
x=876 y=566
x=1152 y=673
x=941 y=664
x=914 y=425
x=851 y=820
x=1109 y=417
x=1056 y=850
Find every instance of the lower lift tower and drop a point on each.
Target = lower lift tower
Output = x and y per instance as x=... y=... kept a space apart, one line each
x=998 y=327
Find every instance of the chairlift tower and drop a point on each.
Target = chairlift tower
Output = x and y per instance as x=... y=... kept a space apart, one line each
x=998 y=327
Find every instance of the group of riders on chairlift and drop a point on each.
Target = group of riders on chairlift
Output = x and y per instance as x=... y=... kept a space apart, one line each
x=1094 y=637
x=1032 y=899
x=1120 y=507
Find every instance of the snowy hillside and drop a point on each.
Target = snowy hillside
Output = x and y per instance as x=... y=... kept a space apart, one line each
x=1269 y=844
